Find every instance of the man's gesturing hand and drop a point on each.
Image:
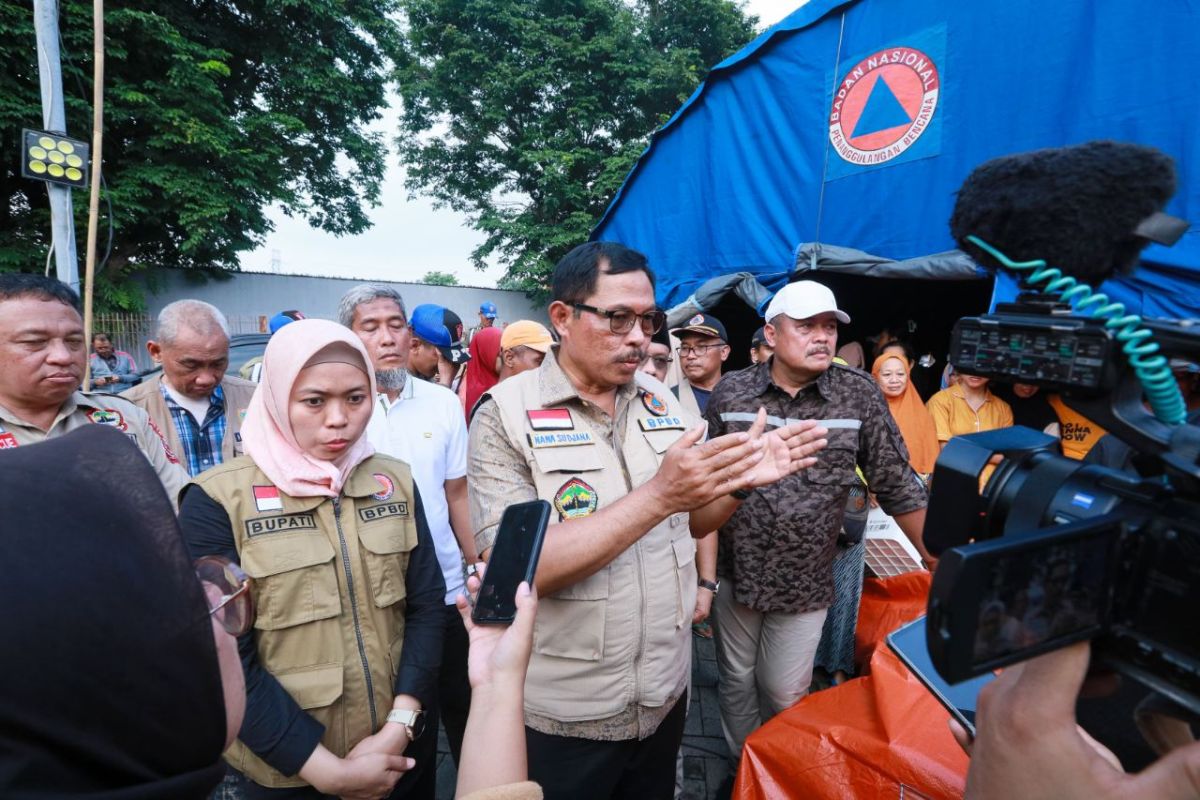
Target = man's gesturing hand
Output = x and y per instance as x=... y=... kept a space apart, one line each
x=693 y=475
x=789 y=449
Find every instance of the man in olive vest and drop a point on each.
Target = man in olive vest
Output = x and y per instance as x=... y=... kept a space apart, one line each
x=607 y=446
x=192 y=400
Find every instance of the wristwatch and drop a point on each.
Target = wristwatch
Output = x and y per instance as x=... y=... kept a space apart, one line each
x=413 y=721
x=711 y=586
x=741 y=494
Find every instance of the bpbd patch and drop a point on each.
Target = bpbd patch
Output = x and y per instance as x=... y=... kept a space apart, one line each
x=654 y=404
x=384 y=511
x=389 y=488
x=575 y=499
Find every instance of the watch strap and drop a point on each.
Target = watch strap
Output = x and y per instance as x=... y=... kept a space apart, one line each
x=710 y=585
x=411 y=719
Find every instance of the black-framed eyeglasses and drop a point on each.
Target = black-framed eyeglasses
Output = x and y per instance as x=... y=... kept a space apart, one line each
x=227 y=590
x=662 y=362
x=697 y=349
x=621 y=320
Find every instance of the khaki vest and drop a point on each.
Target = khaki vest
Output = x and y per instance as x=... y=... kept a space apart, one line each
x=621 y=636
x=237 y=399
x=329 y=593
x=687 y=399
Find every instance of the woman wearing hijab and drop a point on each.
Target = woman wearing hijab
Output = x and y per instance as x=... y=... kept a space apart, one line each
x=118 y=680
x=345 y=648
x=916 y=426
x=481 y=372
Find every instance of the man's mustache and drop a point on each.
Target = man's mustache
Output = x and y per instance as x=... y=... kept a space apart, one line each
x=635 y=354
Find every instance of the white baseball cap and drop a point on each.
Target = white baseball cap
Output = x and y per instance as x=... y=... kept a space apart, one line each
x=804 y=299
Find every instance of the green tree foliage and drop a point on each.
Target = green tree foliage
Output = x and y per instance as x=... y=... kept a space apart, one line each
x=214 y=110
x=435 y=278
x=527 y=114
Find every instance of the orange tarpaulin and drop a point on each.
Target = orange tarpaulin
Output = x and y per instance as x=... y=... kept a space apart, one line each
x=887 y=604
x=880 y=736
x=873 y=737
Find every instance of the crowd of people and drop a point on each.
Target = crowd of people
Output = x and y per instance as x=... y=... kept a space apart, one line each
x=333 y=510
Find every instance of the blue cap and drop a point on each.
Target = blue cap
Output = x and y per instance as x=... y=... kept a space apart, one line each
x=283 y=318
x=427 y=323
x=441 y=328
x=488 y=309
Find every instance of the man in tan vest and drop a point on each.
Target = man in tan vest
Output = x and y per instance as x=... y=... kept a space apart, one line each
x=42 y=359
x=192 y=400
x=607 y=446
x=703 y=348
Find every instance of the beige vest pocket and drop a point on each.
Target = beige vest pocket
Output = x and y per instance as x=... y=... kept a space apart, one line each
x=386 y=548
x=295 y=579
x=570 y=628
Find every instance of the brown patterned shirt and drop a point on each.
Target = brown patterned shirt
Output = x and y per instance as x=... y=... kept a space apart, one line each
x=778 y=547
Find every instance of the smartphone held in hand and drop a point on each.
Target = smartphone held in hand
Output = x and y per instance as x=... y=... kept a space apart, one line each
x=514 y=559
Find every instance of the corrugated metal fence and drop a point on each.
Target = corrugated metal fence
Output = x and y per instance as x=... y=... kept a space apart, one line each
x=130 y=332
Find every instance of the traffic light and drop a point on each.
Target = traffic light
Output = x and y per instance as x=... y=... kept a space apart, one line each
x=52 y=157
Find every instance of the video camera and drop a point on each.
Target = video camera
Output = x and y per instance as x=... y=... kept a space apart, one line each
x=1052 y=550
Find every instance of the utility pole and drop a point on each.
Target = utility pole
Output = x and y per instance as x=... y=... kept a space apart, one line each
x=54 y=119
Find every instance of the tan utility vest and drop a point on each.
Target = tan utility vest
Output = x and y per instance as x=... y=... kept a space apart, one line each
x=329 y=593
x=687 y=399
x=237 y=399
x=621 y=636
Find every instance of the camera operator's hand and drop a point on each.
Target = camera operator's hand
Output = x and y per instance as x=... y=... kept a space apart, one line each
x=1029 y=745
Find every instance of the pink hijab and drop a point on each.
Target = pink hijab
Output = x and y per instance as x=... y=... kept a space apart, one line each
x=267 y=430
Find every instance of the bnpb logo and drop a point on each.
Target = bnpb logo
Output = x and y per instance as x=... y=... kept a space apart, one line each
x=883 y=104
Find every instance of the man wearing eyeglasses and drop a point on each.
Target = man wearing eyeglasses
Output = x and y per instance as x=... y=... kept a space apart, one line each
x=629 y=481
x=703 y=348
x=776 y=552
x=658 y=356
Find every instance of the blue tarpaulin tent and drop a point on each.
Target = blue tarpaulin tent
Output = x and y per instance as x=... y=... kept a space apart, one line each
x=851 y=125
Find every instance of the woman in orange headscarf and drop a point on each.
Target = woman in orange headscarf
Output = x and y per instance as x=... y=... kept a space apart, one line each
x=891 y=372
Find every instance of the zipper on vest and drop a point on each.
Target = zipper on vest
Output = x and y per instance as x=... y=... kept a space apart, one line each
x=362 y=649
x=619 y=449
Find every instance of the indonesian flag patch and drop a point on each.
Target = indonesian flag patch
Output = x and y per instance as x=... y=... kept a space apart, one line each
x=551 y=419
x=266 y=498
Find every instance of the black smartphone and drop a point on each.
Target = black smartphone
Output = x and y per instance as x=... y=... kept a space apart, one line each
x=1004 y=600
x=514 y=559
x=908 y=643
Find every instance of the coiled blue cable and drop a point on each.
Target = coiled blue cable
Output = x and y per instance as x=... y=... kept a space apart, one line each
x=1152 y=368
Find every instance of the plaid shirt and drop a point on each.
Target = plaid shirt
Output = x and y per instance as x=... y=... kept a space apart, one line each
x=201 y=443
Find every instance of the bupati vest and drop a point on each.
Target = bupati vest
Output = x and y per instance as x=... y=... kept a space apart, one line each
x=622 y=635
x=329 y=593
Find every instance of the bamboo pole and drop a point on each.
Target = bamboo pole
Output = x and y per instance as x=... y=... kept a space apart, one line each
x=97 y=159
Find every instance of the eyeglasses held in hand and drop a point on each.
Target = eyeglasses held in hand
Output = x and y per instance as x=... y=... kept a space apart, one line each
x=227 y=589
x=621 y=320
x=696 y=349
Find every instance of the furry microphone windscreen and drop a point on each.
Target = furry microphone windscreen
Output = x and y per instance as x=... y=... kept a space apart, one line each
x=1074 y=207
